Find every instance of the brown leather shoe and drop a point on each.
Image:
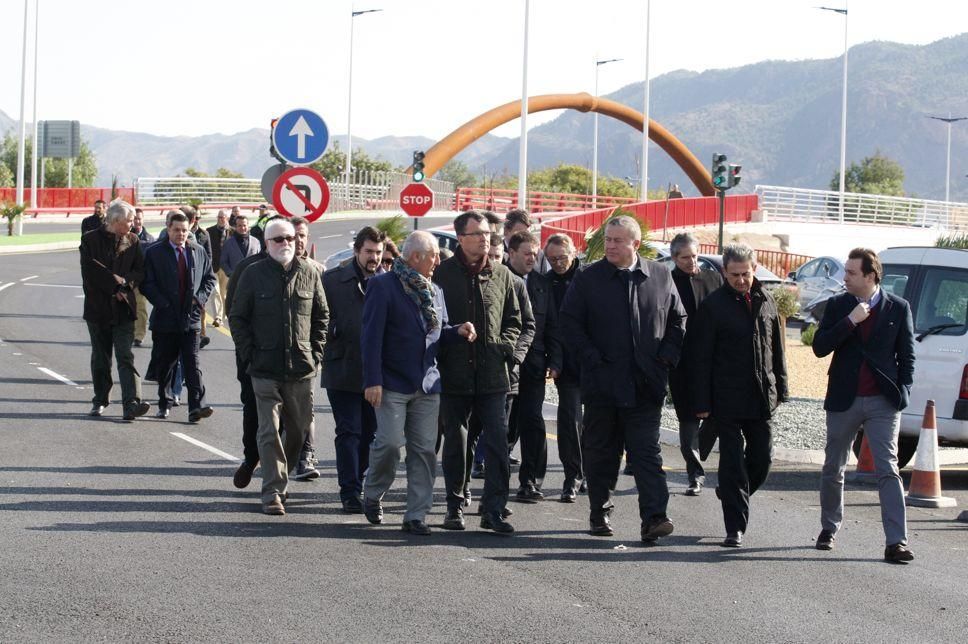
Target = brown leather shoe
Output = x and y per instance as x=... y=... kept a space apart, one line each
x=274 y=507
x=898 y=553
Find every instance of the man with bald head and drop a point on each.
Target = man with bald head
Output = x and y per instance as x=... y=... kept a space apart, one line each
x=278 y=320
x=404 y=321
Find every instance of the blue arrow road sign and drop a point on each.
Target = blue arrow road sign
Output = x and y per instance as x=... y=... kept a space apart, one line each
x=300 y=137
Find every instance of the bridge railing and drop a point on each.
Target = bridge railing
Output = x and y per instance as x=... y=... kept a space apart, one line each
x=802 y=204
x=501 y=200
x=69 y=200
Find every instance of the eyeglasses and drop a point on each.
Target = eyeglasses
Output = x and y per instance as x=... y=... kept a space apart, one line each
x=283 y=238
x=478 y=234
x=560 y=259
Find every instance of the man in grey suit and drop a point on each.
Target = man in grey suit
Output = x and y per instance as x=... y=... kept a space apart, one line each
x=239 y=246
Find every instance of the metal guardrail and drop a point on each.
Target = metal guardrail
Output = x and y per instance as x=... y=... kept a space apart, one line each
x=365 y=191
x=501 y=200
x=802 y=204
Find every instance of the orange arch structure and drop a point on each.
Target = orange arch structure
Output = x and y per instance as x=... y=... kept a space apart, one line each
x=448 y=147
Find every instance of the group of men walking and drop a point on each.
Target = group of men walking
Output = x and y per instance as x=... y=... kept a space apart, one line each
x=414 y=351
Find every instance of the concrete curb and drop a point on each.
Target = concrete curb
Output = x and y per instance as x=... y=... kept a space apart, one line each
x=39 y=248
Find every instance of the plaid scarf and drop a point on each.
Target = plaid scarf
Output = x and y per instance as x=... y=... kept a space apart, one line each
x=418 y=289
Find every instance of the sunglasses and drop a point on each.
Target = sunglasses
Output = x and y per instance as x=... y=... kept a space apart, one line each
x=387 y=262
x=283 y=238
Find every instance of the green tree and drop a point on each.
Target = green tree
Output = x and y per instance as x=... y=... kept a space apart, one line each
x=569 y=179
x=595 y=240
x=875 y=175
x=55 y=176
x=457 y=173
x=7 y=180
x=221 y=173
x=333 y=163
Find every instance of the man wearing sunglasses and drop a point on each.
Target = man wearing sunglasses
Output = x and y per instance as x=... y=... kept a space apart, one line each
x=278 y=322
x=343 y=364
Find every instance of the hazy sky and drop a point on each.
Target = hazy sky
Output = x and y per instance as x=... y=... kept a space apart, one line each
x=424 y=67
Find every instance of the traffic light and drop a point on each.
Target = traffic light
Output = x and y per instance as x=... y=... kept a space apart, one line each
x=720 y=172
x=734 y=177
x=418 y=166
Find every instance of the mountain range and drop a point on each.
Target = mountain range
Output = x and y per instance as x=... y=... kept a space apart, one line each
x=779 y=119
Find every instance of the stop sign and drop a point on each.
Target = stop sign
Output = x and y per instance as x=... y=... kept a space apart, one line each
x=416 y=199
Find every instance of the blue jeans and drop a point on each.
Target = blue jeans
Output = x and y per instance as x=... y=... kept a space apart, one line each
x=355 y=427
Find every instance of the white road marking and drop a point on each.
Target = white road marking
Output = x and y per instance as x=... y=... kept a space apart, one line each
x=57 y=376
x=57 y=285
x=18 y=354
x=7 y=285
x=32 y=277
x=213 y=450
x=328 y=236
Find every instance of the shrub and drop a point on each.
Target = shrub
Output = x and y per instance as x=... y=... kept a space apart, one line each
x=806 y=336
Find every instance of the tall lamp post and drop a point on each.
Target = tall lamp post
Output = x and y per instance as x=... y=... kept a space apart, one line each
x=23 y=122
x=523 y=139
x=644 y=183
x=843 y=114
x=947 y=172
x=598 y=64
x=36 y=149
x=349 y=103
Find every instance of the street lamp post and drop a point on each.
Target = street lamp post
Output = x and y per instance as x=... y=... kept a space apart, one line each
x=36 y=149
x=843 y=114
x=947 y=171
x=598 y=63
x=23 y=122
x=523 y=139
x=644 y=183
x=349 y=105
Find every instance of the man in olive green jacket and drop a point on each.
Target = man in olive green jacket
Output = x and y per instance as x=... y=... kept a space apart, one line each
x=278 y=322
x=475 y=375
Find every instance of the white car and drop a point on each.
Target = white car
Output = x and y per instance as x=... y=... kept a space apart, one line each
x=935 y=283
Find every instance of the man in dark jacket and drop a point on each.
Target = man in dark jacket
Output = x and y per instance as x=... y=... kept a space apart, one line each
x=560 y=254
x=217 y=235
x=343 y=366
x=623 y=315
x=279 y=326
x=475 y=375
x=693 y=286
x=178 y=282
x=95 y=221
x=871 y=334
x=740 y=378
x=543 y=358
x=112 y=265
x=239 y=246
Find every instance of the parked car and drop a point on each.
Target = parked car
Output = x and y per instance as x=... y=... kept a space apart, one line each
x=445 y=238
x=817 y=276
x=935 y=283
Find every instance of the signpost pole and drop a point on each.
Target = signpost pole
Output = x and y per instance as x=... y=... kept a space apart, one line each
x=722 y=217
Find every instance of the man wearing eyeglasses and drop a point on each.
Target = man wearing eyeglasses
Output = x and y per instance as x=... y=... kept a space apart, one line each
x=475 y=375
x=342 y=376
x=278 y=322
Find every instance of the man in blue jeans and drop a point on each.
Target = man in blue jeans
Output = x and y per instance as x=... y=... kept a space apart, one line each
x=342 y=376
x=404 y=321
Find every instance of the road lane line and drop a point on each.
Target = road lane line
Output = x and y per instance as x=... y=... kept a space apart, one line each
x=7 y=285
x=32 y=277
x=57 y=376
x=56 y=285
x=328 y=236
x=213 y=450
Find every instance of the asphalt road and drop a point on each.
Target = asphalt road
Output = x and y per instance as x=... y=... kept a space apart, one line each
x=131 y=532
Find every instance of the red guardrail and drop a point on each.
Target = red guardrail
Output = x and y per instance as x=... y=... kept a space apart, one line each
x=658 y=215
x=67 y=199
x=501 y=200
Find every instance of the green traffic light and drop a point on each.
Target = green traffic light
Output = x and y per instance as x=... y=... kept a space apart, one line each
x=418 y=176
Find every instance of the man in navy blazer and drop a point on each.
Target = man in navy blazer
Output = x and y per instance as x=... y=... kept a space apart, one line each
x=871 y=334
x=404 y=321
x=178 y=282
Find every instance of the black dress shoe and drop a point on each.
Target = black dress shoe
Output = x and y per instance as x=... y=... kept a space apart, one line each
x=493 y=521
x=373 y=511
x=568 y=494
x=658 y=526
x=454 y=519
x=243 y=476
x=353 y=505
x=694 y=489
x=200 y=413
x=136 y=410
x=505 y=513
x=825 y=541
x=600 y=527
x=204 y=341
x=898 y=553
x=733 y=540
x=416 y=526
x=529 y=494
x=162 y=412
x=467 y=497
x=513 y=460
x=96 y=410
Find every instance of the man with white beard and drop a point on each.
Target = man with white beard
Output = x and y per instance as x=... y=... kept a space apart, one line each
x=278 y=320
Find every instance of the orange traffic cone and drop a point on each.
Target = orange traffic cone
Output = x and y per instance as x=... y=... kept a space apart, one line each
x=865 y=472
x=925 y=488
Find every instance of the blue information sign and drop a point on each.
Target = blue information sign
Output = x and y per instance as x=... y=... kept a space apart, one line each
x=300 y=137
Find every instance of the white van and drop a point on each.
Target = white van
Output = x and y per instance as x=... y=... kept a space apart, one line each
x=935 y=283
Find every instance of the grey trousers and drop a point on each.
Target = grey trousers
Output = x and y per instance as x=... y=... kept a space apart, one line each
x=278 y=453
x=411 y=420
x=882 y=423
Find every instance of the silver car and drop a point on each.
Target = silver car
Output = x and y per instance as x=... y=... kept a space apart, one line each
x=815 y=276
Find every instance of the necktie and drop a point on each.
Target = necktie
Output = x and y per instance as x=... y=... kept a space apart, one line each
x=182 y=276
x=749 y=302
